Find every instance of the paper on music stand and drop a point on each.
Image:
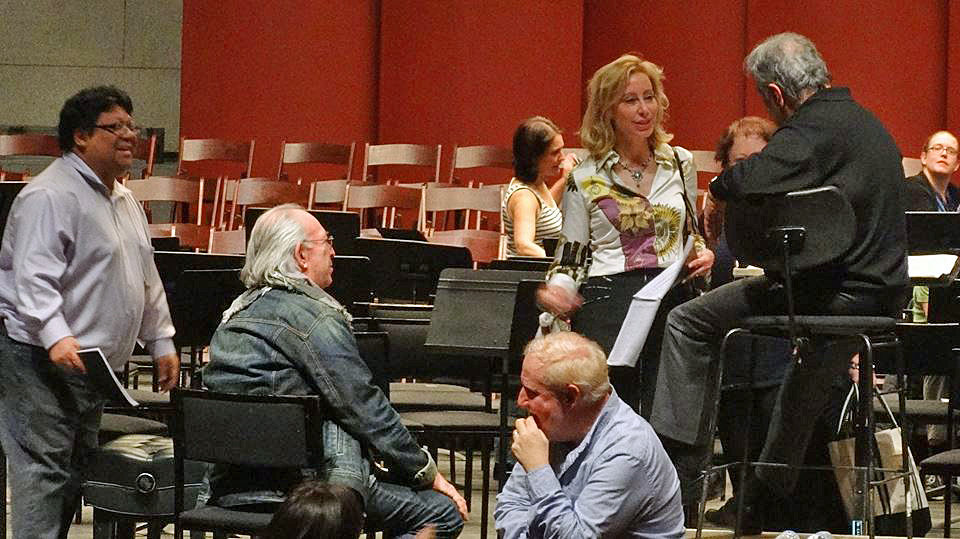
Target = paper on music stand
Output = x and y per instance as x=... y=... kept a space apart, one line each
x=643 y=309
x=931 y=266
x=102 y=377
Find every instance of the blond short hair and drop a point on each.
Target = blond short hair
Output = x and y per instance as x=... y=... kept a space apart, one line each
x=571 y=358
x=604 y=92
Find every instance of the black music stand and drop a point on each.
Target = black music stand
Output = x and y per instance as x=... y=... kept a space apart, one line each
x=469 y=321
x=521 y=263
x=197 y=302
x=344 y=226
x=931 y=232
x=8 y=192
x=351 y=281
x=409 y=270
x=936 y=233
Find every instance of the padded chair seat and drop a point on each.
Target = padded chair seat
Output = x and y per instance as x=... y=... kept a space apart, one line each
x=133 y=475
x=926 y=412
x=210 y=517
x=428 y=400
x=820 y=325
x=426 y=386
x=150 y=398
x=113 y=426
x=455 y=420
x=947 y=462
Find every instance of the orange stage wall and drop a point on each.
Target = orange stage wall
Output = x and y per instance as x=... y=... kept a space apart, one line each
x=467 y=71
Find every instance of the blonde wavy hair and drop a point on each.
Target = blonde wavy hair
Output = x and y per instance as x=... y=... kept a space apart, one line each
x=604 y=92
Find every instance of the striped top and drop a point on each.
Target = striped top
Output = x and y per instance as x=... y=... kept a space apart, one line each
x=549 y=218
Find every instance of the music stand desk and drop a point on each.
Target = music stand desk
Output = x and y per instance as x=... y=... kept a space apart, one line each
x=485 y=314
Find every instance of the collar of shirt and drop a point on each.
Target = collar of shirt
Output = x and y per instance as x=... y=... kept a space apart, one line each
x=663 y=155
x=88 y=174
x=606 y=413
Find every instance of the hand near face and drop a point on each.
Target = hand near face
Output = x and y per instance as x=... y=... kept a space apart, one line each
x=64 y=354
x=530 y=445
x=569 y=163
x=441 y=485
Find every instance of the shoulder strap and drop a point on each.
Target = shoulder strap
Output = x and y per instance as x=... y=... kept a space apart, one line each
x=693 y=227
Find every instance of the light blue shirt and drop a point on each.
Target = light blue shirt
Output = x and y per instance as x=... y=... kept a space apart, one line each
x=77 y=260
x=617 y=482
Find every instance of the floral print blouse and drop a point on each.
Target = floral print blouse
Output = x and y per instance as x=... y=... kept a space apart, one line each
x=622 y=229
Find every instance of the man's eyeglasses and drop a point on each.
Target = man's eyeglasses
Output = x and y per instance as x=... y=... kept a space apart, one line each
x=328 y=240
x=118 y=128
x=937 y=148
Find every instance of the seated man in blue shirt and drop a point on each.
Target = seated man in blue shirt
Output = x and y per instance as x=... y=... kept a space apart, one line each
x=587 y=464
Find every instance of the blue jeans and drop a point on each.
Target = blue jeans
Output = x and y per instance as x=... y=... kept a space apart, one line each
x=390 y=506
x=49 y=420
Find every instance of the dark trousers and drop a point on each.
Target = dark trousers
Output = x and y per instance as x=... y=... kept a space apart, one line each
x=684 y=410
x=606 y=302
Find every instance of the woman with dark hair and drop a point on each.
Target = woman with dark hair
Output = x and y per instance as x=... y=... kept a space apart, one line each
x=317 y=510
x=529 y=211
x=320 y=510
x=627 y=205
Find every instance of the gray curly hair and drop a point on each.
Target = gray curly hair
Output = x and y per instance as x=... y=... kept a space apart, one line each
x=792 y=62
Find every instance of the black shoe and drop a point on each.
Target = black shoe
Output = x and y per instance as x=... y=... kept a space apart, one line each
x=725 y=516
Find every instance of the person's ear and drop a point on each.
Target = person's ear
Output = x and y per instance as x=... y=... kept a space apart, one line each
x=300 y=257
x=81 y=139
x=571 y=394
x=775 y=94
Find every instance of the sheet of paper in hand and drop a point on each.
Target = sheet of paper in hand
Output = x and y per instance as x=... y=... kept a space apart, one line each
x=103 y=379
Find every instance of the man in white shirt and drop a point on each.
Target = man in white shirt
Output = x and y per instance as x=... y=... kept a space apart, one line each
x=76 y=272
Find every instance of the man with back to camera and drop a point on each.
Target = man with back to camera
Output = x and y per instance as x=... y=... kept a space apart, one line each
x=286 y=336
x=825 y=138
x=587 y=464
x=76 y=271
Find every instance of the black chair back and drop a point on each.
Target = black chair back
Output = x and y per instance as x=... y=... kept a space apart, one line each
x=819 y=225
x=246 y=430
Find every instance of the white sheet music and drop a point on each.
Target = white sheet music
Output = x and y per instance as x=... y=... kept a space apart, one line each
x=102 y=377
x=931 y=266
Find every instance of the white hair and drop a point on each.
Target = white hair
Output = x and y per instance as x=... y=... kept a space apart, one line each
x=270 y=253
x=571 y=358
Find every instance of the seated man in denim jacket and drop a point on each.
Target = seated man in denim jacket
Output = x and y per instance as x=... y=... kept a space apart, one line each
x=286 y=336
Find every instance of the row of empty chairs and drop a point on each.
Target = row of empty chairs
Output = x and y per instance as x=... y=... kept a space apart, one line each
x=40 y=145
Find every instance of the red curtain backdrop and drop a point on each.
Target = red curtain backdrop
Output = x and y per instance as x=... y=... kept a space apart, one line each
x=279 y=69
x=466 y=72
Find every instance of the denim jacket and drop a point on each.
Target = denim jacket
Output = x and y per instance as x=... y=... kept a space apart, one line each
x=298 y=341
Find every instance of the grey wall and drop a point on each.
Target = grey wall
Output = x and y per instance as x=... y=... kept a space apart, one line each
x=50 y=49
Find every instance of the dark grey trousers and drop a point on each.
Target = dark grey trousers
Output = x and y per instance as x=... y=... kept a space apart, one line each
x=685 y=402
